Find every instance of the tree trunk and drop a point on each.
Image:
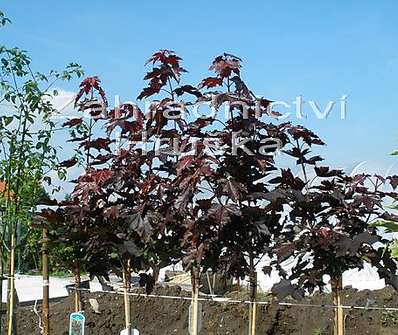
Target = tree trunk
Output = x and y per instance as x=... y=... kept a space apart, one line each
x=1 y=287
x=127 y=306
x=18 y=251
x=337 y=286
x=11 y=330
x=155 y=272
x=46 y=283
x=195 y=278
x=8 y=263
x=78 y=301
x=253 y=298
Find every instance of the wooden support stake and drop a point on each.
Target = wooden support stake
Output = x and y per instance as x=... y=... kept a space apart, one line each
x=337 y=286
x=78 y=302
x=195 y=301
x=11 y=288
x=254 y=318
x=8 y=271
x=46 y=283
x=211 y=286
x=127 y=306
x=1 y=286
x=253 y=304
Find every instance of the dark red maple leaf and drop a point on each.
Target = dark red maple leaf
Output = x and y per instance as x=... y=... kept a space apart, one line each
x=100 y=176
x=210 y=82
x=112 y=212
x=299 y=132
x=98 y=143
x=73 y=122
x=393 y=181
x=89 y=84
x=188 y=89
x=150 y=90
x=324 y=171
x=184 y=163
x=164 y=56
x=226 y=64
x=285 y=288
x=101 y=159
x=96 y=176
x=68 y=163
x=234 y=189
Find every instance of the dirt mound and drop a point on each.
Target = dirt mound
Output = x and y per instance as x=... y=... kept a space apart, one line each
x=165 y=317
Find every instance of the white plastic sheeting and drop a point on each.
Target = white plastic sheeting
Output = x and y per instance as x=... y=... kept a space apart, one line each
x=364 y=279
x=30 y=288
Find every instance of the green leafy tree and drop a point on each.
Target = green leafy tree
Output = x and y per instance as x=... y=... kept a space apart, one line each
x=26 y=154
x=389 y=220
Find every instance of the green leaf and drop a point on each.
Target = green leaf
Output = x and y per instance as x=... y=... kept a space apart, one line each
x=389 y=226
x=394 y=250
x=391 y=207
x=61 y=175
x=47 y=180
x=7 y=120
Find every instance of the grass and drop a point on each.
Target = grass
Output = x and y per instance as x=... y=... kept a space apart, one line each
x=244 y=294
x=59 y=274
x=390 y=317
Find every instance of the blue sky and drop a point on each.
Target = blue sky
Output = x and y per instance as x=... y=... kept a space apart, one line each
x=320 y=50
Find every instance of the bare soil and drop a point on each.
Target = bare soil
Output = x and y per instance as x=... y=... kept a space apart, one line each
x=165 y=317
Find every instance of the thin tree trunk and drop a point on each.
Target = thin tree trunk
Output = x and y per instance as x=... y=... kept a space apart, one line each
x=18 y=242
x=127 y=306
x=195 y=278
x=1 y=287
x=211 y=287
x=11 y=330
x=7 y=293
x=337 y=286
x=46 y=283
x=253 y=298
x=78 y=301
x=156 y=272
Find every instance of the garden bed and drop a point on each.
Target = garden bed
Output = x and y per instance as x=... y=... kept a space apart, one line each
x=154 y=316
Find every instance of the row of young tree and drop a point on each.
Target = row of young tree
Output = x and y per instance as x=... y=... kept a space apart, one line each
x=167 y=185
